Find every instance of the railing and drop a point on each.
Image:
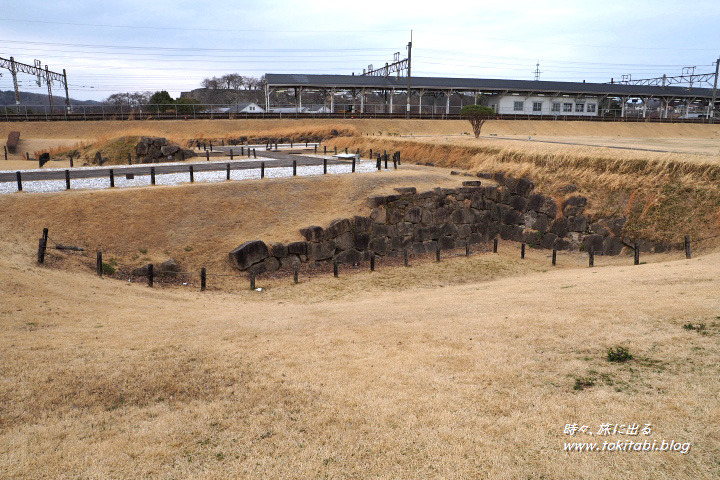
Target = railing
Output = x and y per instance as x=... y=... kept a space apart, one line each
x=20 y=113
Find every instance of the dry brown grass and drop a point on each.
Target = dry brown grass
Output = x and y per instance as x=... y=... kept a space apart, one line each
x=103 y=379
x=199 y=224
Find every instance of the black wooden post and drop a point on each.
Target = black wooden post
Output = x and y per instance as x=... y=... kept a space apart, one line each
x=379 y=165
x=27 y=156
x=5 y=150
x=324 y=166
x=112 y=178
x=98 y=265
x=316 y=149
x=150 y=274
x=254 y=153
x=372 y=262
x=291 y=144
x=203 y=279
x=335 y=150
x=324 y=149
x=495 y=242
x=637 y=254
x=371 y=155
x=294 y=168
x=437 y=252
x=591 y=257
x=252 y=281
x=129 y=160
x=687 y=246
x=231 y=154
x=398 y=155
x=242 y=151
x=467 y=249
x=19 y=181
x=276 y=146
x=67 y=179
x=394 y=162
x=385 y=157
x=42 y=244
x=335 y=268
x=211 y=145
x=152 y=175
x=207 y=155
x=71 y=160
x=262 y=170
x=346 y=150
x=227 y=172
x=522 y=250
x=405 y=257
x=353 y=164
x=192 y=173
x=295 y=273
x=306 y=144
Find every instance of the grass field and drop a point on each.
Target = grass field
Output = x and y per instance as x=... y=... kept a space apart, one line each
x=467 y=368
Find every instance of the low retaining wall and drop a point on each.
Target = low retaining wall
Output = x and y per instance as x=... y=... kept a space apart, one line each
x=450 y=218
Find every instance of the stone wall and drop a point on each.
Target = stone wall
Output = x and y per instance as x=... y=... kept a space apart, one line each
x=446 y=217
x=157 y=149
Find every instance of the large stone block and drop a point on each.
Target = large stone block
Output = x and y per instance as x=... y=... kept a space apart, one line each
x=578 y=223
x=413 y=215
x=337 y=227
x=464 y=231
x=249 y=253
x=441 y=215
x=503 y=195
x=518 y=203
x=595 y=242
x=169 y=150
x=271 y=264
x=395 y=215
x=536 y=221
x=278 y=250
x=448 y=229
x=322 y=250
x=361 y=240
x=430 y=232
x=612 y=246
x=446 y=243
x=406 y=190
x=313 y=233
x=401 y=243
x=463 y=215
x=560 y=226
x=361 y=224
x=512 y=217
x=574 y=205
x=349 y=257
x=549 y=240
x=476 y=238
x=524 y=187
x=384 y=230
x=542 y=204
x=344 y=241
x=298 y=248
x=379 y=245
x=418 y=248
x=405 y=228
x=430 y=246
x=289 y=261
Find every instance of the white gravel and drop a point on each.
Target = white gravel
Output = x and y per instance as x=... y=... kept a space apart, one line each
x=176 y=178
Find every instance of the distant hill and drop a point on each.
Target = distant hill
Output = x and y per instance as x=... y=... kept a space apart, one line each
x=7 y=98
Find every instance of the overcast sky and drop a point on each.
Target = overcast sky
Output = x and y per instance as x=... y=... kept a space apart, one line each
x=121 y=46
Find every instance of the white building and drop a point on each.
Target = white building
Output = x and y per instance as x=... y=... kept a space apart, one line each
x=246 y=108
x=509 y=104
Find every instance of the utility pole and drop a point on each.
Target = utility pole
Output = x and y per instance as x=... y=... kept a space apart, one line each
x=48 y=80
x=13 y=72
x=409 y=47
x=714 y=95
x=67 y=94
